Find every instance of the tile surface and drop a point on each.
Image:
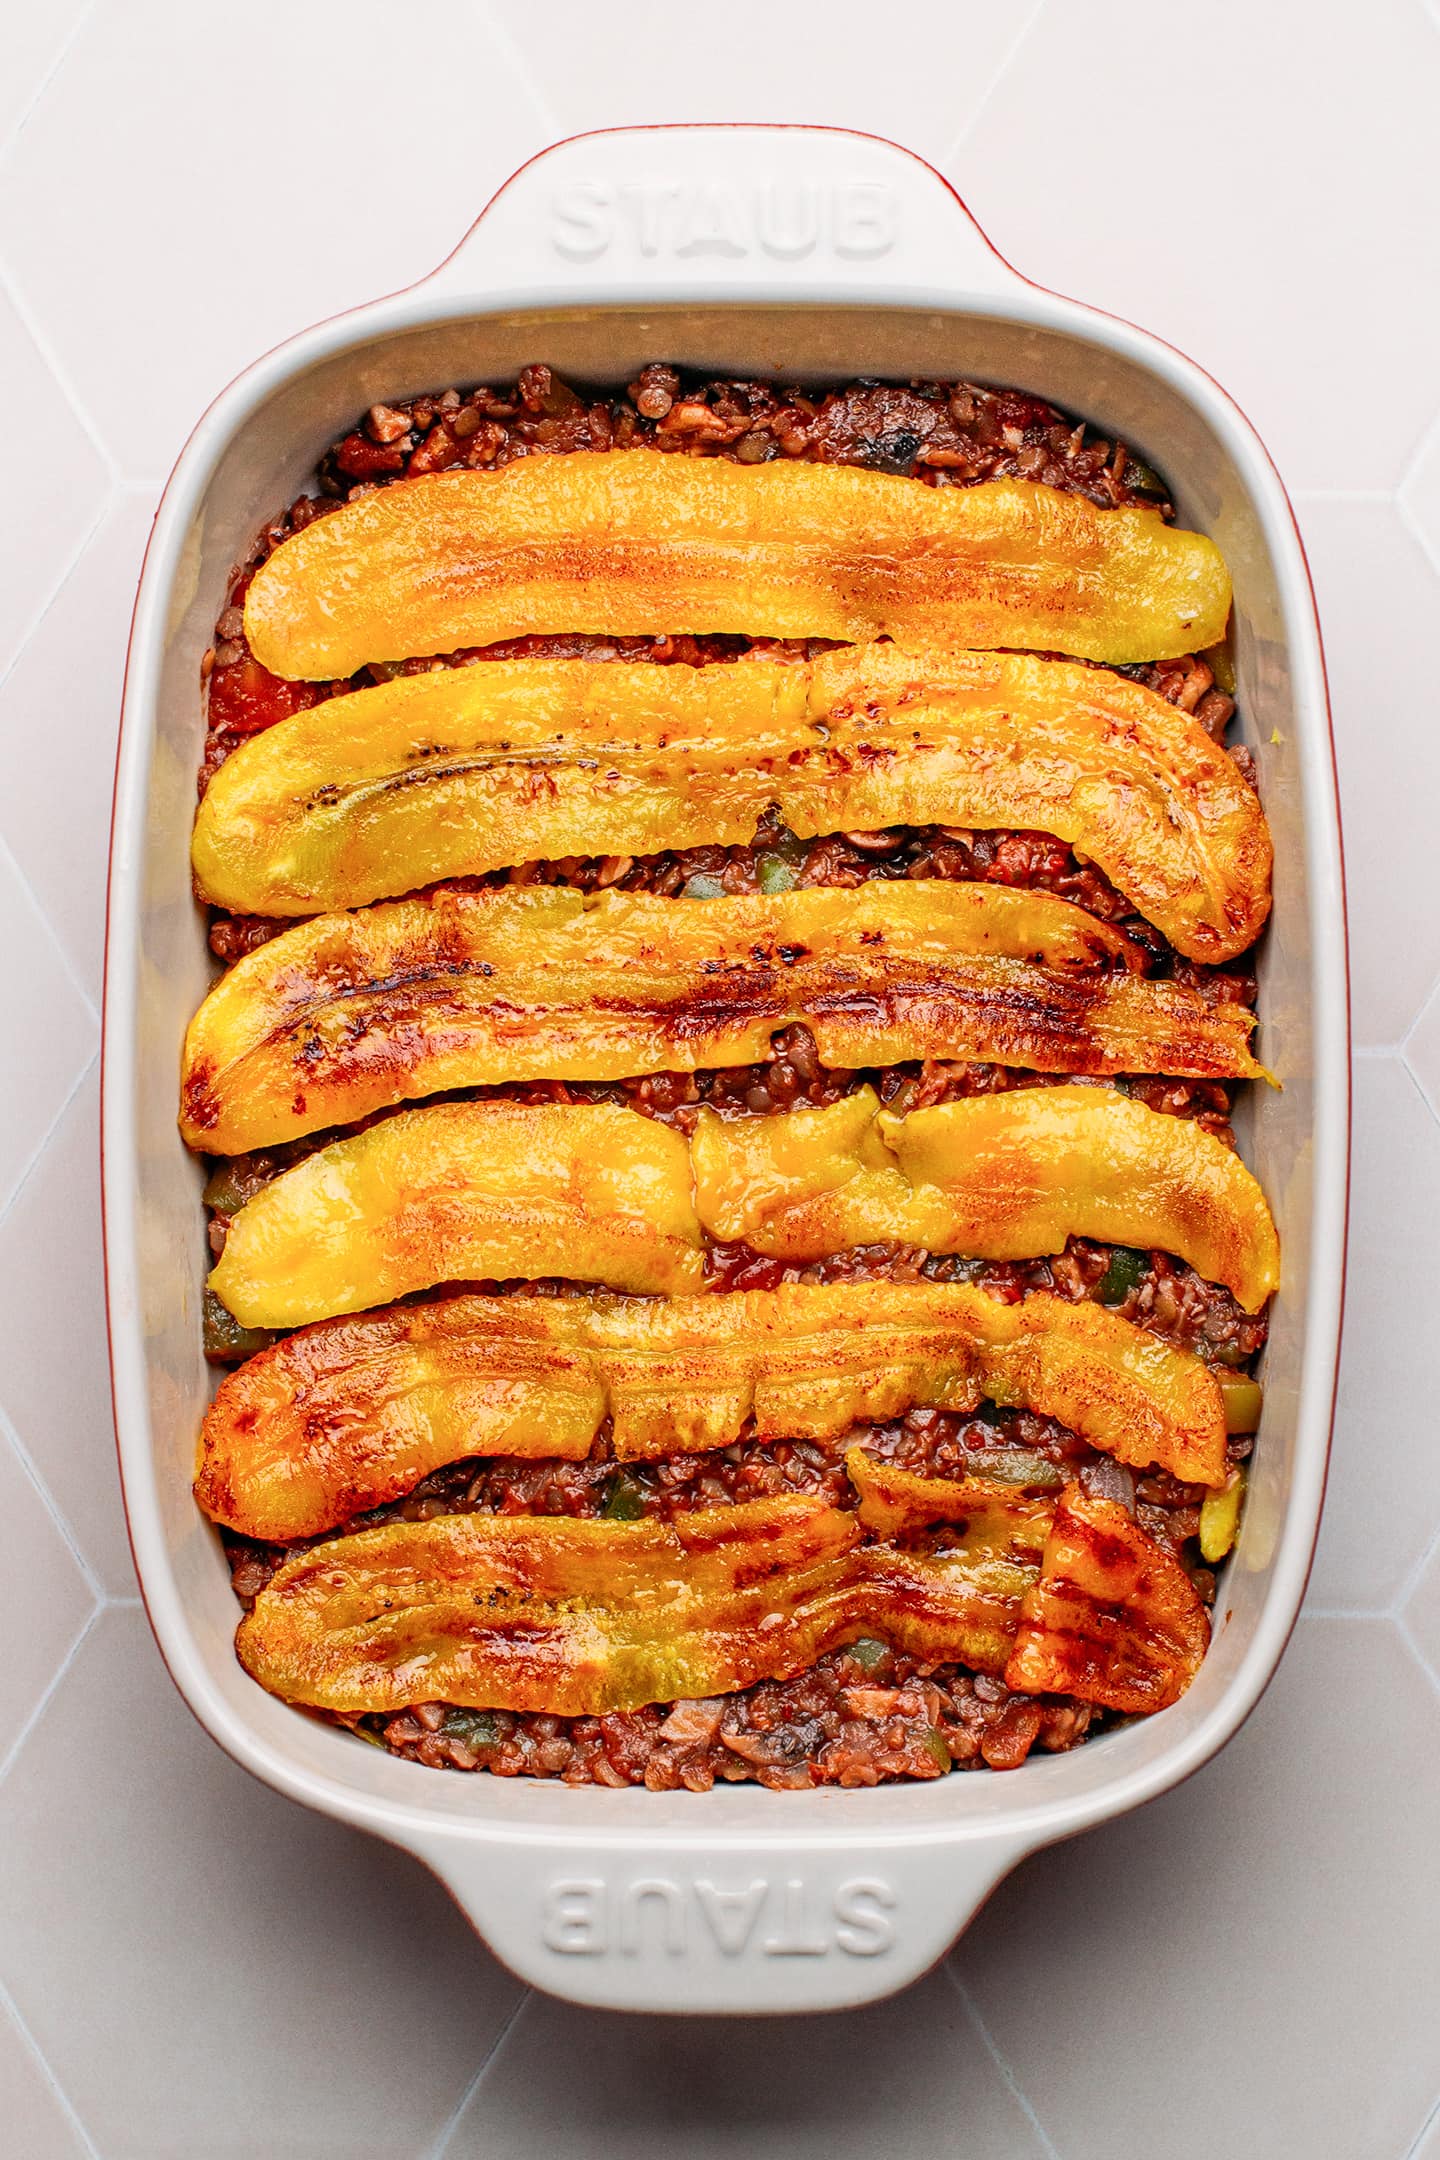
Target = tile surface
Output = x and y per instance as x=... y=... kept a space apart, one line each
x=744 y=64
x=192 y=1969
x=1276 y=247
x=38 y=2123
x=889 y=2077
x=52 y=1291
x=59 y=717
x=51 y=1028
x=272 y=1971
x=52 y=1599
x=54 y=468
x=223 y=187
x=1368 y=1545
x=1159 y=1935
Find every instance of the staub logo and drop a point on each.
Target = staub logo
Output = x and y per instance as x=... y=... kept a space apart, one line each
x=785 y=220
x=583 y=1916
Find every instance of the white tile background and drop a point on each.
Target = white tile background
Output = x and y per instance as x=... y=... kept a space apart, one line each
x=190 y=1967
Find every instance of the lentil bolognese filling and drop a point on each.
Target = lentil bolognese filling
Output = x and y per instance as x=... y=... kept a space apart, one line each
x=867 y=1709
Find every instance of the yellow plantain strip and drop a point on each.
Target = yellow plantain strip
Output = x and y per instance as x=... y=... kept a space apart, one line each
x=486 y=1191
x=581 y=1618
x=629 y=545
x=349 y=1014
x=1114 y=1619
x=1002 y=1177
x=574 y=1618
x=352 y=1413
x=509 y=761
x=987 y=1510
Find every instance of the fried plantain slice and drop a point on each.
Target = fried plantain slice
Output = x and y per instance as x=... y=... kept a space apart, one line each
x=347 y=1014
x=986 y=1511
x=634 y=544
x=584 y=1617
x=484 y=1191
x=352 y=1413
x=1114 y=1619
x=581 y=1618
x=474 y=769
x=1000 y=1177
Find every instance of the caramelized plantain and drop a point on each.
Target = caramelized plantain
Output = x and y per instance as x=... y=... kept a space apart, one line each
x=483 y=1191
x=351 y=1413
x=348 y=1014
x=986 y=1511
x=1114 y=1619
x=1002 y=1177
x=580 y=1617
x=633 y=544
x=479 y=768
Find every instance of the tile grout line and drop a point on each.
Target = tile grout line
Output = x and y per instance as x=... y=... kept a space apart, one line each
x=33 y=897
x=7 y=1210
x=1405 y=1064
x=11 y=2009
x=1429 y=437
x=1012 y=2083
x=1007 y=60
x=8 y=1762
x=1402 y=1047
x=1414 y=1079
x=9 y=1431
x=1433 y=2117
x=46 y=79
x=1407 y=1636
x=1416 y=530
x=493 y=22
x=441 y=2145
x=1412 y=1580
x=72 y=564
x=46 y=350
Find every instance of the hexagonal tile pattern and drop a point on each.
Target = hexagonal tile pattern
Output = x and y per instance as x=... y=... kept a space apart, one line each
x=1279 y=265
x=1147 y=1948
x=51 y=1032
x=1246 y=1965
x=255 y=165
x=244 y=1963
x=896 y=2077
x=38 y=2124
x=52 y=1293
x=1367 y=1545
x=54 y=469
x=1368 y=568
x=59 y=716
x=833 y=79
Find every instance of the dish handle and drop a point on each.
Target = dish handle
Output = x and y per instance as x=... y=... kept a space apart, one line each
x=730 y=1925
x=751 y=212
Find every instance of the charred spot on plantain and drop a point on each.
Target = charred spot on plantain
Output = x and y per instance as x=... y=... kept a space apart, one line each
x=199 y=1100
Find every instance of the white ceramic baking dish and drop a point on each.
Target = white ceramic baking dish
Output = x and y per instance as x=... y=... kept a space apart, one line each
x=804 y=253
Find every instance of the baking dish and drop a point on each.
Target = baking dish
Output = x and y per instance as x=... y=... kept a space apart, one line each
x=810 y=254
